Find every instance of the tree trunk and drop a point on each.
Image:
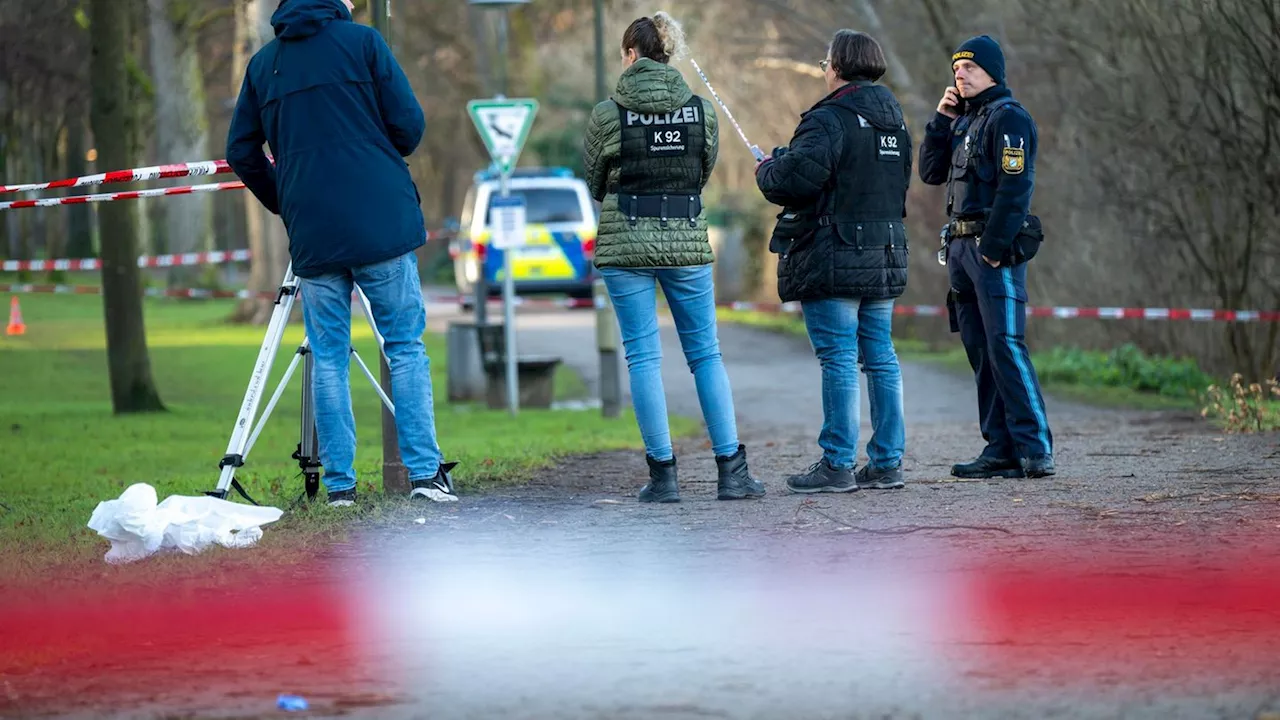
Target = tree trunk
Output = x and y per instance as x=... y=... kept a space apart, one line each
x=36 y=234
x=918 y=106
x=129 y=366
x=182 y=130
x=268 y=243
x=55 y=225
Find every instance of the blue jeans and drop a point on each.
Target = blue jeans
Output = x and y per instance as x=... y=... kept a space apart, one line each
x=395 y=297
x=690 y=294
x=843 y=333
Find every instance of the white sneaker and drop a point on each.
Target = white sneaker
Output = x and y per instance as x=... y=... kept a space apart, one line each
x=436 y=492
x=436 y=489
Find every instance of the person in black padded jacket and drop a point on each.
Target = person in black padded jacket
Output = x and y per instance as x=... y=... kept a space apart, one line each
x=842 y=247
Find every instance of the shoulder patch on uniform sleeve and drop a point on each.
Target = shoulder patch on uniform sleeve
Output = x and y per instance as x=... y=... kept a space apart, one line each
x=1013 y=155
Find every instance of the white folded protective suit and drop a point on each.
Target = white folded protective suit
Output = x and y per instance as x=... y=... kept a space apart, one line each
x=138 y=527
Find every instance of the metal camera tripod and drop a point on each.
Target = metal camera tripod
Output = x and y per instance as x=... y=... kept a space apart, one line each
x=307 y=454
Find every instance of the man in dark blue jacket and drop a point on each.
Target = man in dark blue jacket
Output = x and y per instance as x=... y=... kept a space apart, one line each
x=331 y=102
x=982 y=143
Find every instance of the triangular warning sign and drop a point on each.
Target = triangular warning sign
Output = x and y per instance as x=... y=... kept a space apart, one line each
x=504 y=127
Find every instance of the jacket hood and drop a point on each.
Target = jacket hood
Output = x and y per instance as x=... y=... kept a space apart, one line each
x=876 y=103
x=650 y=86
x=304 y=18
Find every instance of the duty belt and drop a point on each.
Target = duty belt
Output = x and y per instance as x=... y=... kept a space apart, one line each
x=660 y=206
x=966 y=228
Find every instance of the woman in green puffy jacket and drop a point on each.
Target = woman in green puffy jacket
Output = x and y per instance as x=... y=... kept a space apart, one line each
x=649 y=151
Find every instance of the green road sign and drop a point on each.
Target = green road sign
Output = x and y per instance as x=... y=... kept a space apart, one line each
x=504 y=127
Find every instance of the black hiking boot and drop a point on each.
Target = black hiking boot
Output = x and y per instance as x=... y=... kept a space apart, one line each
x=870 y=478
x=1038 y=466
x=984 y=467
x=736 y=482
x=662 y=485
x=823 y=478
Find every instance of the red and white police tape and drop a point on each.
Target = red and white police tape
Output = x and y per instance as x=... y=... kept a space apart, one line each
x=203 y=294
x=145 y=261
x=194 y=293
x=127 y=195
x=1062 y=312
x=155 y=172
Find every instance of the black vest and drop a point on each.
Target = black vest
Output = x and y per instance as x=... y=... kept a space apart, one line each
x=871 y=179
x=965 y=160
x=660 y=168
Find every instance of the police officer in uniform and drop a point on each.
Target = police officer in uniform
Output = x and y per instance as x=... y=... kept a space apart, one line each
x=982 y=144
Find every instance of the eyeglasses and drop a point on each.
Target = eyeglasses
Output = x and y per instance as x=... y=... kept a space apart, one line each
x=823 y=64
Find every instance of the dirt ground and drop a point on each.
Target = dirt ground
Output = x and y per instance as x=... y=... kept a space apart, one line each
x=1143 y=580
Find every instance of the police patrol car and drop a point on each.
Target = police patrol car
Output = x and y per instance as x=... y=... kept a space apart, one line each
x=560 y=219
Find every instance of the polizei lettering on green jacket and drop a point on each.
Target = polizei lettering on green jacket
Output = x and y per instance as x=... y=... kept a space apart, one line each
x=687 y=115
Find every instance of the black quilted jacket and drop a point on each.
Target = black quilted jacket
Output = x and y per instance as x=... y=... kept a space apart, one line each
x=802 y=176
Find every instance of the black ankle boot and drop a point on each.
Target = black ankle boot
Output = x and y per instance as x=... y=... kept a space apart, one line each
x=736 y=482
x=662 y=485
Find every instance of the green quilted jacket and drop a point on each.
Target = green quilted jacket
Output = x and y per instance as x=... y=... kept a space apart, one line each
x=648 y=87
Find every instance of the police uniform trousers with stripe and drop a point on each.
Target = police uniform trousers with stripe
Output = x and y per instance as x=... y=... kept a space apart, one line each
x=991 y=309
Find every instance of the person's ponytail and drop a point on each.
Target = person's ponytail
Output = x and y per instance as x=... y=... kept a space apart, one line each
x=659 y=38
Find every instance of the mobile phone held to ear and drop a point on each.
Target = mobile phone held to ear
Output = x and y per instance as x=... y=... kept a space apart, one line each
x=961 y=103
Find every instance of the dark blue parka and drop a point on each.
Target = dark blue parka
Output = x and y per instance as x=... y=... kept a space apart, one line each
x=339 y=116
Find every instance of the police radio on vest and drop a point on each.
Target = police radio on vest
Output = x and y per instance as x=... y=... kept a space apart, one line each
x=682 y=116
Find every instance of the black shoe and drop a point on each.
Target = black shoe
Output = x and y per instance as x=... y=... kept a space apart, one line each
x=736 y=482
x=342 y=498
x=1038 y=466
x=869 y=478
x=823 y=478
x=438 y=488
x=662 y=485
x=988 y=467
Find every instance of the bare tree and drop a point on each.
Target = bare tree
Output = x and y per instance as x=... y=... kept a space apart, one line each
x=1183 y=114
x=182 y=125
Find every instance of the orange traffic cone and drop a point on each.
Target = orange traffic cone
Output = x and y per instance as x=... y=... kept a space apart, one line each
x=16 y=326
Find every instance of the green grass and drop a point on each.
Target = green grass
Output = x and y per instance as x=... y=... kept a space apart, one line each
x=1122 y=378
x=64 y=451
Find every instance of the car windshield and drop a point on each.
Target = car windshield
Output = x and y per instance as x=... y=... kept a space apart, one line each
x=550 y=205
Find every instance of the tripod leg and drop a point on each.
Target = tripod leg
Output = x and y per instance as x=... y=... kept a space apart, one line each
x=308 y=454
x=368 y=315
x=382 y=348
x=377 y=387
x=235 y=453
x=303 y=350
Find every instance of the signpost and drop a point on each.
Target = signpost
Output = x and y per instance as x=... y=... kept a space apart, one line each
x=504 y=126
